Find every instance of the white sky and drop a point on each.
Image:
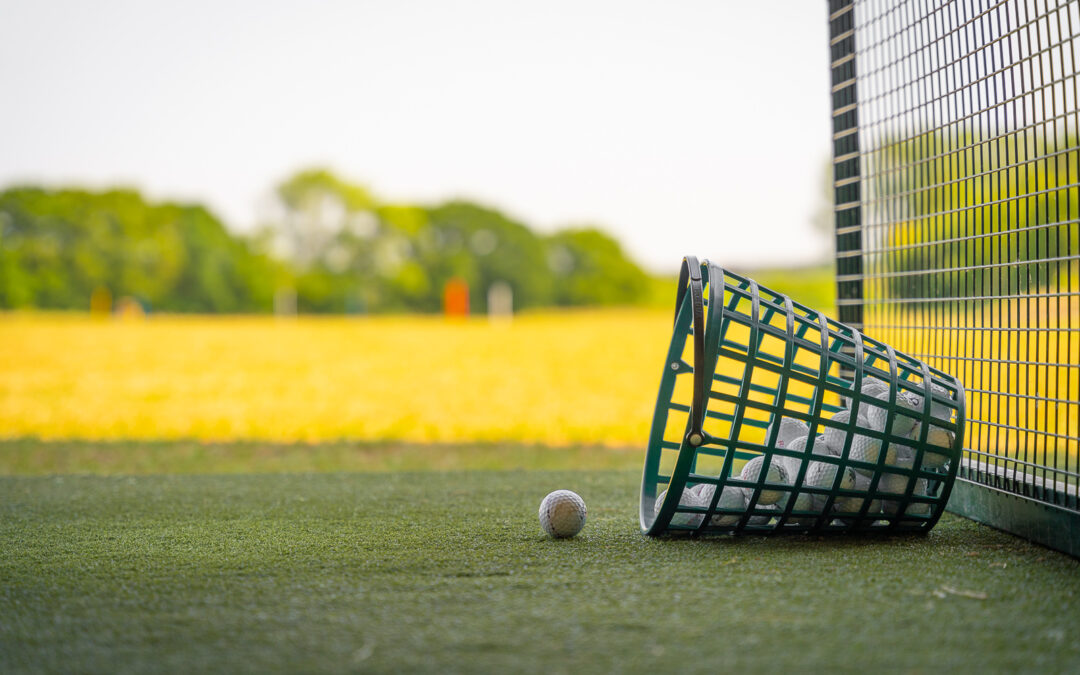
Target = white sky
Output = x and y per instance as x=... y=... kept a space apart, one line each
x=681 y=126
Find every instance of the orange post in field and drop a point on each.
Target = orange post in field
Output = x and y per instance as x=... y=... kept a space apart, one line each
x=456 y=297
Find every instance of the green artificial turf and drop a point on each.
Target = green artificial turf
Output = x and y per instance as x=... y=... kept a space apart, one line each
x=448 y=571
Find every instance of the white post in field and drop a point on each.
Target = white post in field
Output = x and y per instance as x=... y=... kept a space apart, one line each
x=500 y=301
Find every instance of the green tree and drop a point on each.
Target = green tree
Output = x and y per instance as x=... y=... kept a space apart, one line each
x=57 y=246
x=590 y=268
x=337 y=246
x=483 y=246
x=329 y=231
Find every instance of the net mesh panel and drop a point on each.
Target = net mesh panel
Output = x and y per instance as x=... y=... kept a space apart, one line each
x=957 y=192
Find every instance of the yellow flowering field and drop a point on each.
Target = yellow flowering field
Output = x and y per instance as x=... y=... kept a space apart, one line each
x=550 y=378
x=1018 y=378
x=554 y=377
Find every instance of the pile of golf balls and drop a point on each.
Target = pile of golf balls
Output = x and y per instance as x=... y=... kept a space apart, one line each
x=861 y=450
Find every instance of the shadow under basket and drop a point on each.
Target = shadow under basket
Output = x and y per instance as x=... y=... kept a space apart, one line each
x=773 y=418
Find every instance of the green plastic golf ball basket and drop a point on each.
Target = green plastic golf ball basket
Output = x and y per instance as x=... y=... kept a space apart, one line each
x=772 y=417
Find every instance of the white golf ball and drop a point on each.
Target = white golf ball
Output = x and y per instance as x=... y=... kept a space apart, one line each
x=904 y=456
x=822 y=447
x=791 y=467
x=777 y=474
x=823 y=475
x=919 y=508
x=876 y=415
x=939 y=438
x=836 y=437
x=806 y=501
x=914 y=508
x=798 y=444
x=901 y=425
x=758 y=521
x=866 y=449
x=863 y=448
x=793 y=464
x=790 y=429
x=896 y=483
x=872 y=386
x=934 y=460
x=731 y=498
x=893 y=483
x=690 y=497
x=562 y=514
x=939 y=411
x=855 y=504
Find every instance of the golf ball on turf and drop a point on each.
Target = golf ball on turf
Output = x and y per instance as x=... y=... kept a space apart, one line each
x=562 y=514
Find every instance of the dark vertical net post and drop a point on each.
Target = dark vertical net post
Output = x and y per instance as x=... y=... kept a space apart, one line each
x=956 y=141
x=845 y=130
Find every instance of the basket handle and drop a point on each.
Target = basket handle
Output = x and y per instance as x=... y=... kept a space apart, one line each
x=690 y=279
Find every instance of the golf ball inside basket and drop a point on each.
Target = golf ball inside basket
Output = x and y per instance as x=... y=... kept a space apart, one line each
x=877 y=415
x=790 y=429
x=940 y=411
x=823 y=475
x=562 y=513
x=874 y=387
x=863 y=448
x=777 y=474
x=855 y=504
x=731 y=498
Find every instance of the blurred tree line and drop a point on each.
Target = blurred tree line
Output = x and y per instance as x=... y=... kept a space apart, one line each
x=331 y=245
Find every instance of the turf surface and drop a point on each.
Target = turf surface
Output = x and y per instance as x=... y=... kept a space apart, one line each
x=447 y=571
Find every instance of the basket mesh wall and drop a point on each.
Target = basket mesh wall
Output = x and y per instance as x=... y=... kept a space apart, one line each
x=957 y=192
x=887 y=462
